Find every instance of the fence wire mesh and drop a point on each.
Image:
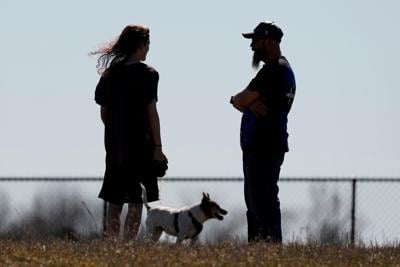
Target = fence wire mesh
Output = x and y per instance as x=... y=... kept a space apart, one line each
x=327 y=210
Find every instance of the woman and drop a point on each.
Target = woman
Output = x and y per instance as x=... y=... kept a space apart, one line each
x=127 y=94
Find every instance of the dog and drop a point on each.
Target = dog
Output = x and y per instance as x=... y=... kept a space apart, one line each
x=184 y=223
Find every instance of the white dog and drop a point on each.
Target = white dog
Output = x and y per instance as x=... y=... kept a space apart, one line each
x=184 y=223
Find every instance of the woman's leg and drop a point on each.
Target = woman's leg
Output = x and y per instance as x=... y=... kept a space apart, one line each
x=113 y=220
x=132 y=222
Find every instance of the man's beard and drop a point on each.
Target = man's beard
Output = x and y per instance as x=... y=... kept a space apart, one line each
x=256 y=60
x=258 y=56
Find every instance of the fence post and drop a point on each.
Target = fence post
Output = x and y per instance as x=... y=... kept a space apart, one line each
x=353 y=211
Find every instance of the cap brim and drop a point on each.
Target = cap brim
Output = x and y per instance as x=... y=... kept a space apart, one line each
x=248 y=35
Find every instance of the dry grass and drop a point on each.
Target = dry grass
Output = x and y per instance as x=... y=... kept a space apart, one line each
x=58 y=252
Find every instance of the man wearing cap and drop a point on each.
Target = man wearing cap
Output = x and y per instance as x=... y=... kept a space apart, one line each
x=265 y=104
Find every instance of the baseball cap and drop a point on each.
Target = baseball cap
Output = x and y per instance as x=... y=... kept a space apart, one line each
x=265 y=29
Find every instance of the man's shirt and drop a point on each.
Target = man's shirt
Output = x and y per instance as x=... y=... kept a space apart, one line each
x=275 y=82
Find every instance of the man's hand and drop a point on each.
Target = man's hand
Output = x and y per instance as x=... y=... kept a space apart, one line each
x=258 y=108
x=244 y=99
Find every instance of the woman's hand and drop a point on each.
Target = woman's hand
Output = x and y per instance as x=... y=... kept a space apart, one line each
x=159 y=155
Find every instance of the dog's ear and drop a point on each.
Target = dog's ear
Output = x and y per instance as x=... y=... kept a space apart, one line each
x=206 y=196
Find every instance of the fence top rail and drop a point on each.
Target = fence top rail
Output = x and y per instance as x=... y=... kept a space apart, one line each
x=202 y=179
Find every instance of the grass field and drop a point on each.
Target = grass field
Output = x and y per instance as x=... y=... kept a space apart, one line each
x=57 y=252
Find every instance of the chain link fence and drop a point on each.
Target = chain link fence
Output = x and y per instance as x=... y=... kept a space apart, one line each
x=326 y=210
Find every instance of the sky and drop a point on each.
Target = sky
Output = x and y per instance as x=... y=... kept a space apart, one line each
x=344 y=120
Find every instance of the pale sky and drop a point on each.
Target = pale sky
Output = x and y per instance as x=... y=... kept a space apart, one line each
x=344 y=120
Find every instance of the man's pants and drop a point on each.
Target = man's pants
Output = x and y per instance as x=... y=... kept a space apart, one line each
x=261 y=175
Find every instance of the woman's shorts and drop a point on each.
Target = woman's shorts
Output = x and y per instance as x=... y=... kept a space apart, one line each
x=121 y=186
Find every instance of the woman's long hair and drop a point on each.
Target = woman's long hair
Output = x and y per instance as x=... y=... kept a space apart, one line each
x=118 y=51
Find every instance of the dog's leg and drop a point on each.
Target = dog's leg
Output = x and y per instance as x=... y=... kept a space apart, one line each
x=152 y=234
x=180 y=238
x=147 y=235
x=194 y=240
x=156 y=235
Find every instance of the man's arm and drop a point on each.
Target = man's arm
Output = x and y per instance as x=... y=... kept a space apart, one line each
x=243 y=100
x=249 y=100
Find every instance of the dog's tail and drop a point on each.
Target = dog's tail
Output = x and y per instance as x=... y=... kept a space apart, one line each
x=144 y=197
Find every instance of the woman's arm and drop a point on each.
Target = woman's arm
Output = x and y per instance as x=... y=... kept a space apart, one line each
x=154 y=123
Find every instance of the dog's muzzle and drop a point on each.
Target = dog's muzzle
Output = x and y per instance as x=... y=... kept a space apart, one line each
x=219 y=214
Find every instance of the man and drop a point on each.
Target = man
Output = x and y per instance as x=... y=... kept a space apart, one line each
x=265 y=104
